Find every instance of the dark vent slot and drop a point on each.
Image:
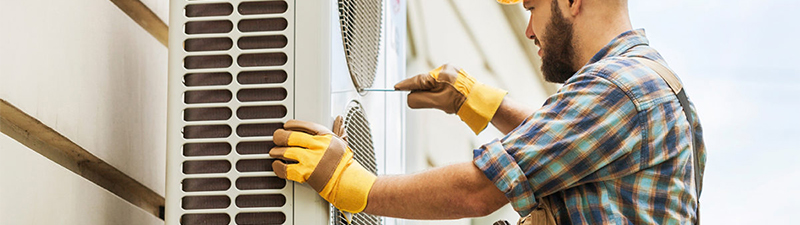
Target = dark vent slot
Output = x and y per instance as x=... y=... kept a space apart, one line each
x=269 y=200
x=216 y=9
x=205 y=79
x=207 y=61
x=261 y=94
x=258 y=42
x=261 y=112
x=204 y=114
x=260 y=218
x=263 y=7
x=210 y=27
x=206 y=184
x=269 y=24
x=205 y=219
x=251 y=130
x=206 y=166
x=262 y=77
x=205 y=202
x=251 y=183
x=256 y=147
x=206 y=131
x=209 y=96
x=262 y=59
x=254 y=165
x=204 y=149
x=207 y=44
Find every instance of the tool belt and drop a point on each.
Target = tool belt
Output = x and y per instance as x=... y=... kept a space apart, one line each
x=541 y=215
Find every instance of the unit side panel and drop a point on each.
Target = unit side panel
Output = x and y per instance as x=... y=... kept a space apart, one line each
x=313 y=71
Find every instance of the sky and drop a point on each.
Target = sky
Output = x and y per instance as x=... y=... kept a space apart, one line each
x=739 y=62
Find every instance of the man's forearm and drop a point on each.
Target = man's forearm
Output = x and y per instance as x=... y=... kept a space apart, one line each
x=510 y=115
x=450 y=192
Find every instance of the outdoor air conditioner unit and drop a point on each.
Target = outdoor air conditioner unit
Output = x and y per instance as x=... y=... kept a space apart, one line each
x=239 y=69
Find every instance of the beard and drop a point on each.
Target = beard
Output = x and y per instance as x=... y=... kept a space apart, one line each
x=558 y=50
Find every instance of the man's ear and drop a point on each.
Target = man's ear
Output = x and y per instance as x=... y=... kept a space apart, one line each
x=575 y=7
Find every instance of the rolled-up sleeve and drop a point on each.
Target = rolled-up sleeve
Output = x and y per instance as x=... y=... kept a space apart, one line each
x=576 y=137
x=502 y=169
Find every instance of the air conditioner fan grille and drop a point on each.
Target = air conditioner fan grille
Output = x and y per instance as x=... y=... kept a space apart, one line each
x=361 y=32
x=359 y=139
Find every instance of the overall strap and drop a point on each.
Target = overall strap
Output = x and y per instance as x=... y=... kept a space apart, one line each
x=677 y=89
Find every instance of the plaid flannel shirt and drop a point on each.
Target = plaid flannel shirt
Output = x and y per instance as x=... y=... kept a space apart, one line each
x=610 y=147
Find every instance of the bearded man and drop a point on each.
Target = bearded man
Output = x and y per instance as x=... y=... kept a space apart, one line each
x=614 y=145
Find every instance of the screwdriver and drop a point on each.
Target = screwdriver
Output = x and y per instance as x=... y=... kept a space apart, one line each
x=381 y=89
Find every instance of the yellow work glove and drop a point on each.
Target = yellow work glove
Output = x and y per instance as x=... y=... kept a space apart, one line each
x=452 y=90
x=324 y=161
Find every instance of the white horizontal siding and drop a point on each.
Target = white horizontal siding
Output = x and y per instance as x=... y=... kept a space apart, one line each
x=87 y=70
x=35 y=190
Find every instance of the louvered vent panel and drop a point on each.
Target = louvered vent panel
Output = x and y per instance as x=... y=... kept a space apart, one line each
x=359 y=139
x=231 y=89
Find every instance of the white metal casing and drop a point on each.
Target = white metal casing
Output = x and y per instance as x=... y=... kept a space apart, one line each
x=318 y=88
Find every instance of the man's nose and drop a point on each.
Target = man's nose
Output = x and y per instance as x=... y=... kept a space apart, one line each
x=529 y=31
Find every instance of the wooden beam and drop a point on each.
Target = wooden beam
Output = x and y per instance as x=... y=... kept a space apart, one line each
x=139 y=12
x=49 y=143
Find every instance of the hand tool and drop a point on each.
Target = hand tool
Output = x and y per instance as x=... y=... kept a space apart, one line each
x=380 y=89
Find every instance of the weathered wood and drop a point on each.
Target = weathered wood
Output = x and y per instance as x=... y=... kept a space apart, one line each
x=49 y=143
x=148 y=20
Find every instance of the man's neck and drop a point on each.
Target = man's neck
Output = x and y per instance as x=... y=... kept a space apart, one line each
x=595 y=32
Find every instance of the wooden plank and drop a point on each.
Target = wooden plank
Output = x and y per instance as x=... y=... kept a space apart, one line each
x=49 y=143
x=148 y=20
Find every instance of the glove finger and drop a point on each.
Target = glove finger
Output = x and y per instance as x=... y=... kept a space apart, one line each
x=420 y=100
x=296 y=171
x=415 y=83
x=281 y=153
x=338 y=128
x=437 y=100
x=287 y=171
x=308 y=127
x=283 y=137
x=279 y=168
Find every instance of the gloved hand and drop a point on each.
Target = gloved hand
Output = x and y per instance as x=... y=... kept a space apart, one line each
x=452 y=90
x=324 y=161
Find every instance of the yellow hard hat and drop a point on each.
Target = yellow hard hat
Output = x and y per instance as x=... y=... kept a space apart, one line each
x=509 y=1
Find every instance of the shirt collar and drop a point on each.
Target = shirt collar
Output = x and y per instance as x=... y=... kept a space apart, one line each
x=621 y=44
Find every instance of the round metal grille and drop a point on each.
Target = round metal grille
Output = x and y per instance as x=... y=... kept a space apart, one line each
x=359 y=139
x=361 y=30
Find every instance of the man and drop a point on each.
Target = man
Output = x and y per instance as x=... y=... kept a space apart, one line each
x=612 y=146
